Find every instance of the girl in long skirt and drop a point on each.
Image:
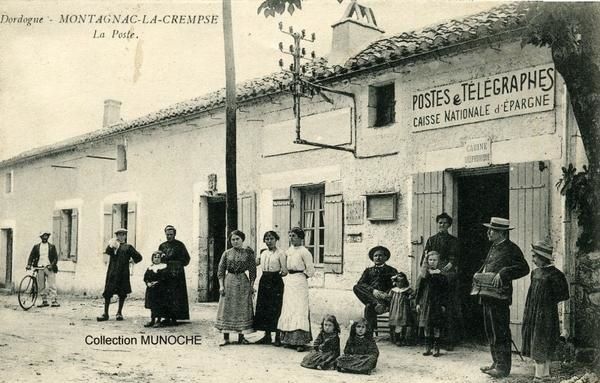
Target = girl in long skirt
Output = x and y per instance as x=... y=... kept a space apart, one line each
x=540 y=320
x=294 y=322
x=326 y=346
x=361 y=352
x=235 y=304
x=270 y=288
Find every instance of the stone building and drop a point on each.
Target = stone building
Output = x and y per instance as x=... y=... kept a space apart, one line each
x=457 y=117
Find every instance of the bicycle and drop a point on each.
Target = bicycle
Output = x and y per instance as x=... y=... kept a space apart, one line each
x=28 y=289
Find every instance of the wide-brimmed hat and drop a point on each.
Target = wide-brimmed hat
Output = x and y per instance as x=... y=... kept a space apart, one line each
x=386 y=252
x=121 y=230
x=543 y=249
x=498 y=223
x=43 y=232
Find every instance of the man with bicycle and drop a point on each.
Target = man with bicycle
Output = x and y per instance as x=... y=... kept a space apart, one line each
x=44 y=255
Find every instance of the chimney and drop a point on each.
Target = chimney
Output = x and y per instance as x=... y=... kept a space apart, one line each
x=112 y=112
x=352 y=33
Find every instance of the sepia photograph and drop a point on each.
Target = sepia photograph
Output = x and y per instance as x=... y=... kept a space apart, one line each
x=299 y=190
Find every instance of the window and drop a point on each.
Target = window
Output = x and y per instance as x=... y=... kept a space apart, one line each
x=382 y=105
x=313 y=221
x=64 y=233
x=119 y=215
x=8 y=182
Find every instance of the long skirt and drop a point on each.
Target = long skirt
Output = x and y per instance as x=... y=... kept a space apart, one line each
x=269 y=301
x=316 y=359
x=294 y=321
x=358 y=364
x=235 y=307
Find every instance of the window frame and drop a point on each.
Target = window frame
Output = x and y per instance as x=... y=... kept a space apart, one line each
x=318 y=246
x=382 y=110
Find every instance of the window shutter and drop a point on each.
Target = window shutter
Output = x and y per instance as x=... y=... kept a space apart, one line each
x=131 y=222
x=74 y=232
x=295 y=207
x=334 y=227
x=108 y=227
x=56 y=232
x=281 y=216
x=247 y=218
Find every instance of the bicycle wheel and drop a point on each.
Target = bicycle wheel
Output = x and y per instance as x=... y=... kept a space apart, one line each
x=27 y=292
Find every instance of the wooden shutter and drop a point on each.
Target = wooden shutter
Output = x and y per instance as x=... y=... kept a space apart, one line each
x=295 y=207
x=281 y=216
x=131 y=222
x=247 y=218
x=56 y=233
x=529 y=207
x=108 y=227
x=334 y=227
x=74 y=233
x=427 y=203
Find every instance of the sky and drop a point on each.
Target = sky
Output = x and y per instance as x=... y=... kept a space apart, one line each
x=55 y=75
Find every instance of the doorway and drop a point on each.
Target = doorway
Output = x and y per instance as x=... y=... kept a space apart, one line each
x=6 y=257
x=480 y=197
x=217 y=243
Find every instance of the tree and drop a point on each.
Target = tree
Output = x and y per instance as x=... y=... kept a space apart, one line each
x=270 y=7
x=230 y=121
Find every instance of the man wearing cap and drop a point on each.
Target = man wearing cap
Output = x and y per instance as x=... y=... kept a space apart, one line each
x=44 y=255
x=374 y=285
x=117 y=275
x=506 y=261
x=448 y=247
x=176 y=257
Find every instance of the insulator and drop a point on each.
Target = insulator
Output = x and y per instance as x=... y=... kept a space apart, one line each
x=281 y=46
x=281 y=63
x=291 y=48
x=291 y=29
x=312 y=36
x=303 y=52
x=281 y=26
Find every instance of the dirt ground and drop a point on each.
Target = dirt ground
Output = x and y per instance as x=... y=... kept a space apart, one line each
x=49 y=344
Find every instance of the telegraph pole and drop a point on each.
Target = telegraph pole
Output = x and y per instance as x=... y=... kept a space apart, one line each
x=230 y=121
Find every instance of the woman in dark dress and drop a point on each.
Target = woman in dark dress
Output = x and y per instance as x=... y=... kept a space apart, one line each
x=540 y=321
x=270 y=288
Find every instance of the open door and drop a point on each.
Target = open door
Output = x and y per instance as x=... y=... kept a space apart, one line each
x=529 y=208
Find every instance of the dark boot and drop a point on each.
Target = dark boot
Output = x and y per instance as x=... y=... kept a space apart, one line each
x=436 y=347
x=393 y=335
x=428 y=345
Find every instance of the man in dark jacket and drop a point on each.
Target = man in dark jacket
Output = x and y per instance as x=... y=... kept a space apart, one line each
x=44 y=255
x=117 y=275
x=176 y=257
x=374 y=285
x=506 y=261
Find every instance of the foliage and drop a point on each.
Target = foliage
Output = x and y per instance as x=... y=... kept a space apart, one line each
x=582 y=198
x=270 y=7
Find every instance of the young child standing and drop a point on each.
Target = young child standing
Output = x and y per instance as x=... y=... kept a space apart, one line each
x=154 y=277
x=432 y=298
x=361 y=352
x=326 y=346
x=540 y=321
x=401 y=319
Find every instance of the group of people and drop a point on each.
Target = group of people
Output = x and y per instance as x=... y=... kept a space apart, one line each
x=282 y=305
x=166 y=290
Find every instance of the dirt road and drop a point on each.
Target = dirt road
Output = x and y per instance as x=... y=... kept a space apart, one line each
x=65 y=344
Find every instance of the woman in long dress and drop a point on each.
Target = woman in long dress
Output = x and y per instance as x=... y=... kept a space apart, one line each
x=270 y=288
x=235 y=304
x=294 y=322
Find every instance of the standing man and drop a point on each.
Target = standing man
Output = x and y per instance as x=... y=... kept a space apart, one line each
x=374 y=285
x=448 y=247
x=117 y=275
x=44 y=255
x=505 y=262
x=176 y=257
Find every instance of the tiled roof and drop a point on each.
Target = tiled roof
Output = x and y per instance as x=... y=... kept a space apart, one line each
x=394 y=48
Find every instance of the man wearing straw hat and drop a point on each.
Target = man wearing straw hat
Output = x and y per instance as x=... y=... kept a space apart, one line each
x=505 y=262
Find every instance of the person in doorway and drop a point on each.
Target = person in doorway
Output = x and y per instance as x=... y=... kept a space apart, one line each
x=541 y=331
x=117 y=275
x=505 y=262
x=448 y=247
x=44 y=255
x=374 y=285
x=235 y=304
x=294 y=322
x=176 y=257
x=270 y=288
